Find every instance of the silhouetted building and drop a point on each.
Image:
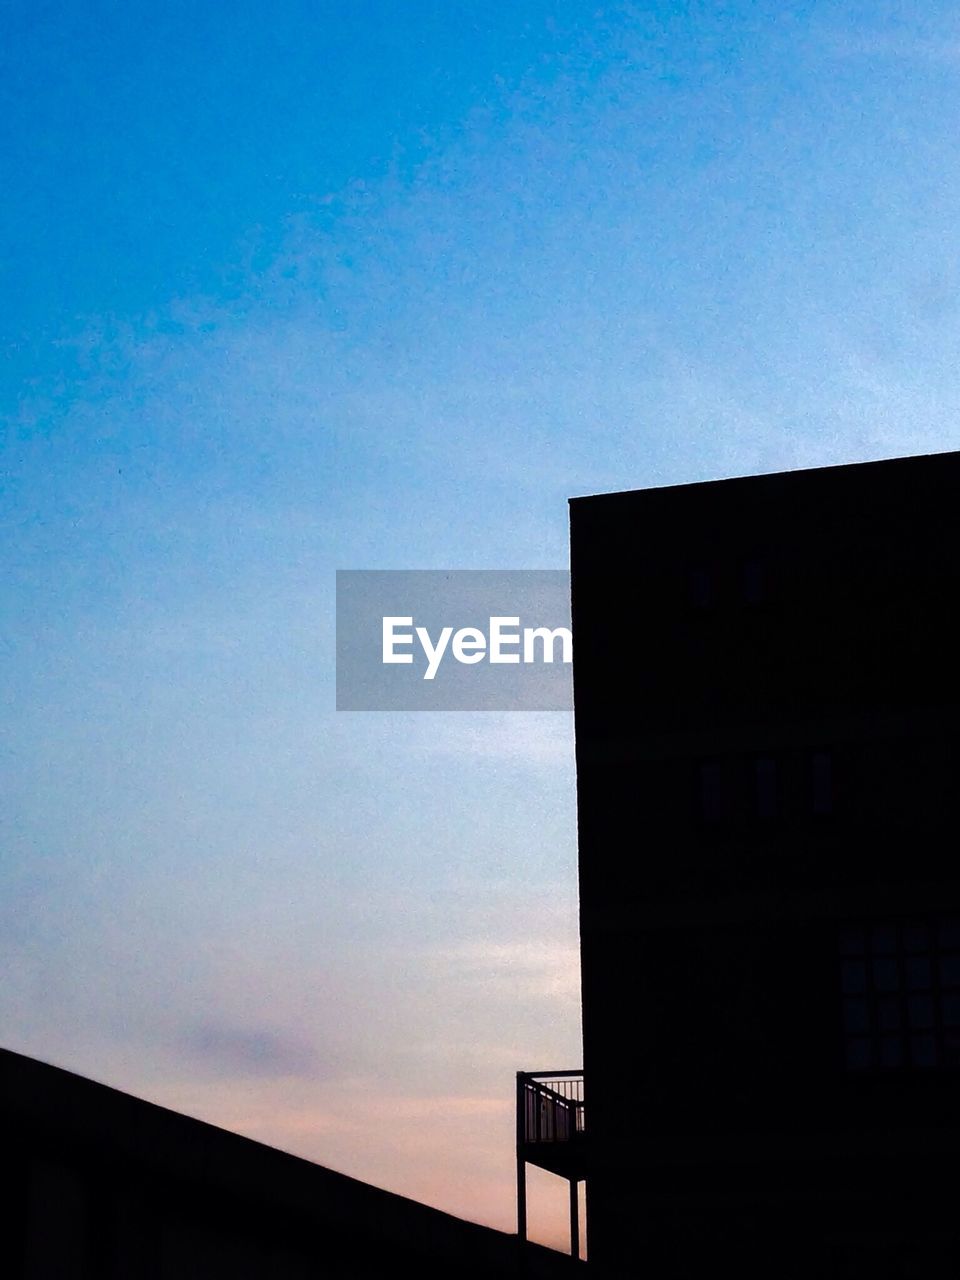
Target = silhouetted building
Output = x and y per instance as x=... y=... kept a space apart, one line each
x=107 y=1187
x=766 y=695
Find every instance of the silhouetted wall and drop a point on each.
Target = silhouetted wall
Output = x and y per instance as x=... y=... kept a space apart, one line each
x=766 y=691
x=106 y=1186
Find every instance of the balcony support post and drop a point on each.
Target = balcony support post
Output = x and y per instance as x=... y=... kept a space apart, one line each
x=521 y=1162
x=574 y=1218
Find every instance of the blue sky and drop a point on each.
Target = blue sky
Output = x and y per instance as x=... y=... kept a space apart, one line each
x=379 y=286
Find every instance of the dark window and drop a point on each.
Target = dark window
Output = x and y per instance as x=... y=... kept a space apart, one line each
x=854 y=976
x=765 y=783
x=888 y=1014
x=891 y=1051
x=700 y=586
x=821 y=778
x=713 y=793
x=853 y=942
x=753 y=581
x=900 y=994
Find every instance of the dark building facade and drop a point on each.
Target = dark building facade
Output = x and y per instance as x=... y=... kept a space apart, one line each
x=766 y=695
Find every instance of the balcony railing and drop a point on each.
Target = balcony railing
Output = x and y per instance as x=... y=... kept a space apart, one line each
x=551 y=1106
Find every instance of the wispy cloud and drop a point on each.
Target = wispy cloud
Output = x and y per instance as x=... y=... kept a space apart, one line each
x=241 y=1051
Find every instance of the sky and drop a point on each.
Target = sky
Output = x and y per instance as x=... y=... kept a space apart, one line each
x=376 y=285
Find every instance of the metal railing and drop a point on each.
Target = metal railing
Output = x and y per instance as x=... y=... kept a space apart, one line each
x=552 y=1106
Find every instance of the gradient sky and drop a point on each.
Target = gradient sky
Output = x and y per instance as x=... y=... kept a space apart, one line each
x=381 y=285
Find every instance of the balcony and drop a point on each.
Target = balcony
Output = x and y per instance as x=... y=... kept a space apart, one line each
x=551 y=1133
x=550 y=1121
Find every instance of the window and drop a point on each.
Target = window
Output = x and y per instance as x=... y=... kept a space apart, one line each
x=765 y=787
x=900 y=995
x=713 y=795
x=700 y=586
x=752 y=581
x=758 y=791
x=821 y=780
